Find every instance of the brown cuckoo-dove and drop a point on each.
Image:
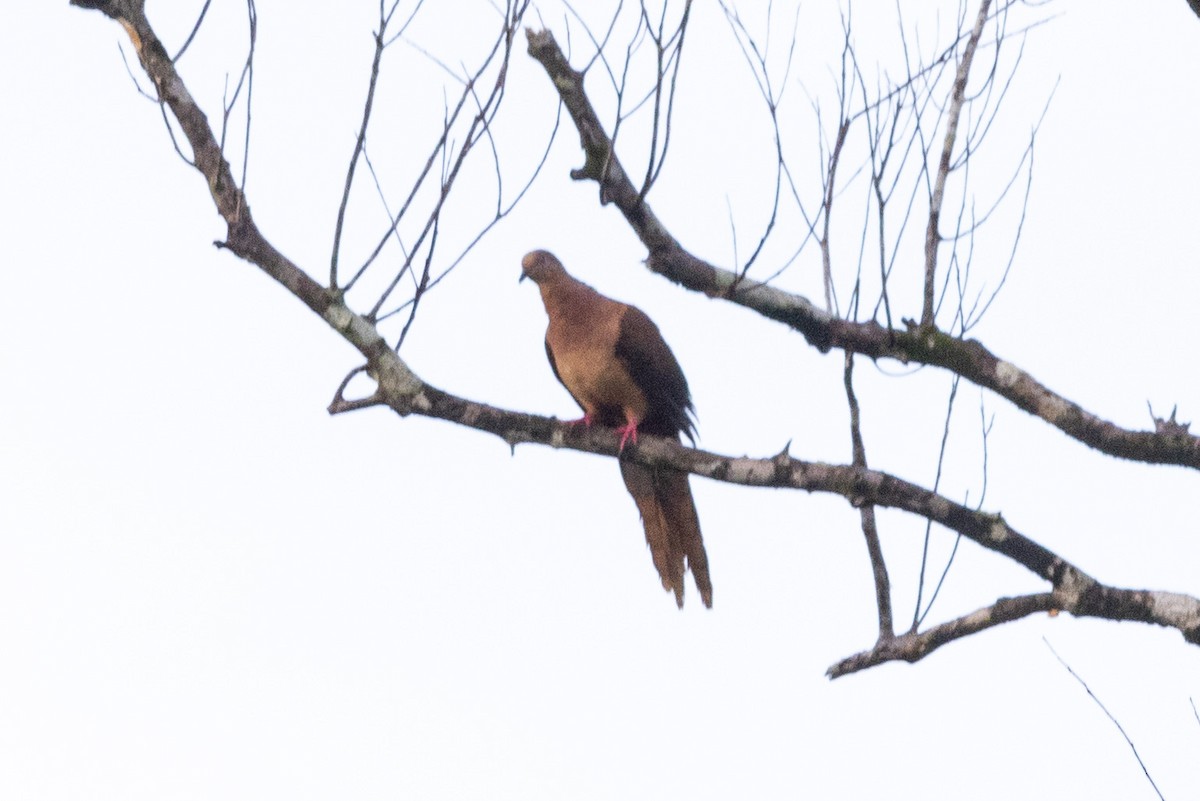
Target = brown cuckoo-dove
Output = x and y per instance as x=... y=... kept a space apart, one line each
x=612 y=359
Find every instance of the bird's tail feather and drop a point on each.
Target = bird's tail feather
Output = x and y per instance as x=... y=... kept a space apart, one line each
x=675 y=498
x=664 y=498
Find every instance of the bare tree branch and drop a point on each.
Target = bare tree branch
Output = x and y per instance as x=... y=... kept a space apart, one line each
x=358 y=147
x=932 y=233
x=883 y=586
x=914 y=646
x=918 y=614
x=965 y=357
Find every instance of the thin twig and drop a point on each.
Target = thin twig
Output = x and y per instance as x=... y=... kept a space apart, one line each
x=476 y=129
x=359 y=142
x=252 y=22
x=883 y=587
x=195 y=29
x=827 y=211
x=1107 y=714
x=601 y=44
x=756 y=59
x=918 y=614
x=656 y=158
x=932 y=234
x=340 y=405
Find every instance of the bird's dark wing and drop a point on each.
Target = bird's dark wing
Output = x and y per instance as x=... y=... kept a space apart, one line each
x=653 y=367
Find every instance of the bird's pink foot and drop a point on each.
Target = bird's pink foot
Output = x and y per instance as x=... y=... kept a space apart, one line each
x=628 y=433
x=585 y=421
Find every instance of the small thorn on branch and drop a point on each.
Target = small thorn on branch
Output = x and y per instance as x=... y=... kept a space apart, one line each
x=1169 y=426
x=783 y=461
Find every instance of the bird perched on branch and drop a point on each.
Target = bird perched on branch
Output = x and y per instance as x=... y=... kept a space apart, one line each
x=616 y=365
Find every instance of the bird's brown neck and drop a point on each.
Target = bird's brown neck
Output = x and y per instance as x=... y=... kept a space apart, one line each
x=564 y=297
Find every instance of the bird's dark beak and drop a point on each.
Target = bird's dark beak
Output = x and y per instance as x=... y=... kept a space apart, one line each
x=524 y=275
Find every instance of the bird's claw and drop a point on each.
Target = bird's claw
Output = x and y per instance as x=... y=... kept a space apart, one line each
x=628 y=433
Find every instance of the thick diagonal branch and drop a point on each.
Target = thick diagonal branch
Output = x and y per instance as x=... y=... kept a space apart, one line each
x=1073 y=590
x=966 y=357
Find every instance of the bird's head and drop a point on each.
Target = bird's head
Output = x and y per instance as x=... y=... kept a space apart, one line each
x=541 y=267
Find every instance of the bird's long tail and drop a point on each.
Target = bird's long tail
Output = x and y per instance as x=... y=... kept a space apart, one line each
x=664 y=498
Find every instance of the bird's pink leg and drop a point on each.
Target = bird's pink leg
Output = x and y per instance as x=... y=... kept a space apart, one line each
x=628 y=433
x=585 y=421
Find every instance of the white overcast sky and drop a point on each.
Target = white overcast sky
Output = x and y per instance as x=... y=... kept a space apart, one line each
x=209 y=588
